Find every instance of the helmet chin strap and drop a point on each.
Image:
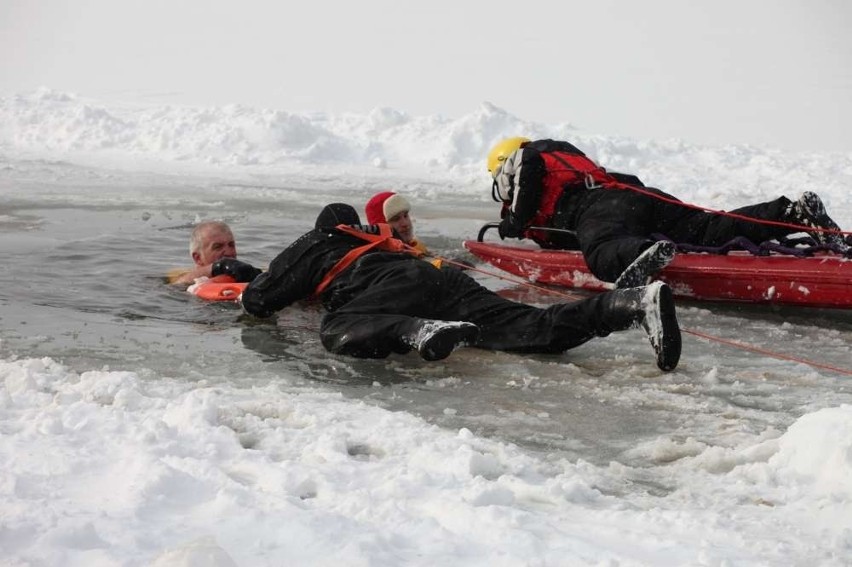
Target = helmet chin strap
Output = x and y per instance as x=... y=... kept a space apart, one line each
x=495 y=193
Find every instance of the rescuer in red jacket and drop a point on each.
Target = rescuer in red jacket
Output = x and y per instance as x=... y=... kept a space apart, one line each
x=613 y=218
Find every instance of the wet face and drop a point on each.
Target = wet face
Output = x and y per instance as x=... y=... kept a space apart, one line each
x=403 y=224
x=216 y=243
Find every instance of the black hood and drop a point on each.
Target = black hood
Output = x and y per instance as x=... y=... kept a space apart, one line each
x=335 y=214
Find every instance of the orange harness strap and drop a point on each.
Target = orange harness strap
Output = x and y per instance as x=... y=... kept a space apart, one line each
x=385 y=240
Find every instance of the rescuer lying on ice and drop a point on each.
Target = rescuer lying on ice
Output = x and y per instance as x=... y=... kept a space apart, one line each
x=612 y=217
x=382 y=298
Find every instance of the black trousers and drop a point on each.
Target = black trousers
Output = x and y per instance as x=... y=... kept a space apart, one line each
x=386 y=300
x=614 y=226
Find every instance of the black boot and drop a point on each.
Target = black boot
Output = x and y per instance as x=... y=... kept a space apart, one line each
x=810 y=211
x=646 y=265
x=435 y=340
x=652 y=308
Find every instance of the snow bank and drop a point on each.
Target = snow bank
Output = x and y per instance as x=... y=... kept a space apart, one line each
x=106 y=468
x=451 y=151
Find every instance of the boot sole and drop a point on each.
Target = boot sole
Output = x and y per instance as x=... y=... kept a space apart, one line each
x=649 y=262
x=817 y=217
x=815 y=208
x=660 y=323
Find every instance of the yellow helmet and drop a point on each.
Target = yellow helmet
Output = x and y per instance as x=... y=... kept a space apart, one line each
x=502 y=150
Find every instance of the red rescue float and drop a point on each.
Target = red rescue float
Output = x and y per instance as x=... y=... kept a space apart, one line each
x=218 y=288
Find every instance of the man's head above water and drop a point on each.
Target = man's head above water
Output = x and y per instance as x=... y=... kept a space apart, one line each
x=210 y=241
x=393 y=209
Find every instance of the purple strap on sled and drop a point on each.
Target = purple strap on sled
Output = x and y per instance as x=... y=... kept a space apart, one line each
x=799 y=247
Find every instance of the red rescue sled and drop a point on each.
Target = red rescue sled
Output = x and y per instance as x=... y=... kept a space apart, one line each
x=823 y=280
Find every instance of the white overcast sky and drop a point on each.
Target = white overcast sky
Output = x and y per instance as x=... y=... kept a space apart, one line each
x=766 y=72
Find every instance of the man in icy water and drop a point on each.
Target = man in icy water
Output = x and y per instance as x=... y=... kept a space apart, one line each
x=214 y=251
x=381 y=298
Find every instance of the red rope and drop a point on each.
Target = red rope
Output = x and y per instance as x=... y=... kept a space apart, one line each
x=712 y=338
x=509 y=279
x=766 y=352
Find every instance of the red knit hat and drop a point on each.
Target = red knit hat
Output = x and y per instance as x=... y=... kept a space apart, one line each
x=385 y=205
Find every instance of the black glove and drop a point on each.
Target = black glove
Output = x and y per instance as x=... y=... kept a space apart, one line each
x=507 y=228
x=240 y=271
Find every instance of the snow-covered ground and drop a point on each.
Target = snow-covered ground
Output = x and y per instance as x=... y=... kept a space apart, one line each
x=140 y=427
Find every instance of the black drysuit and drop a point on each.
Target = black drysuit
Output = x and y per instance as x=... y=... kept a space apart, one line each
x=615 y=224
x=381 y=298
